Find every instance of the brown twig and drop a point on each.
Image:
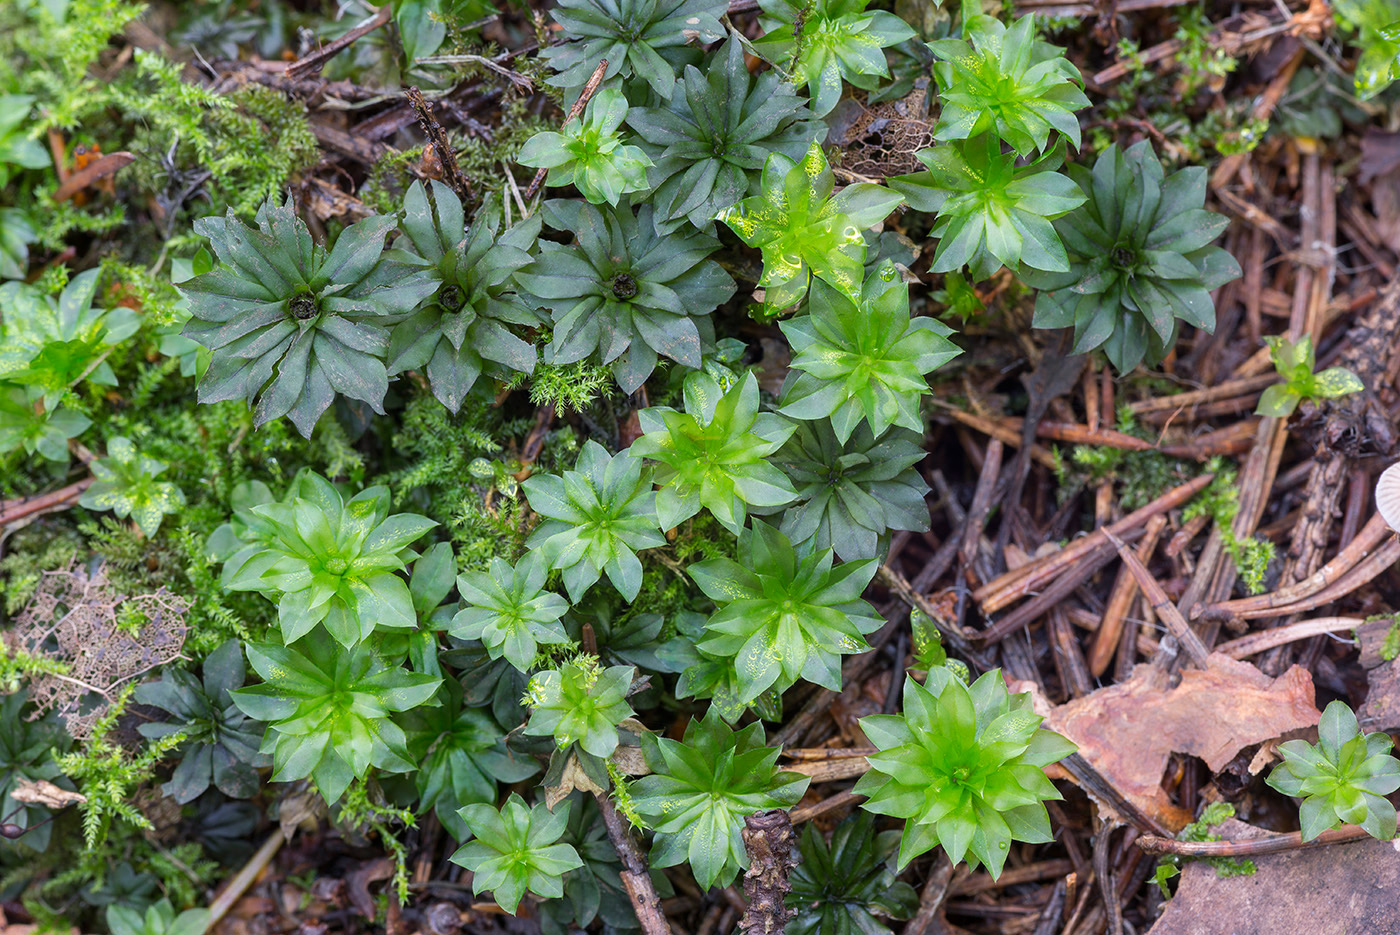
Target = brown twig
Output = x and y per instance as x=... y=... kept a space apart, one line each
x=1255 y=847
x=768 y=840
x=1112 y=630
x=981 y=503
x=929 y=920
x=815 y=754
x=1001 y=431
x=1068 y=656
x=1263 y=605
x=982 y=882
x=830 y=804
x=94 y=171
x=831 y=770
x=240 y=882
x=1002 y=590
x=1247 y=387
x=12 y=511
x=587 y=93
x=308 y=66
x=1254 y=643
x=636 y=879
x=442 y=146
x=1107 y=879
x=1052 y=914
x=1098 y=786
x=1084 y=566
x=1161 y=604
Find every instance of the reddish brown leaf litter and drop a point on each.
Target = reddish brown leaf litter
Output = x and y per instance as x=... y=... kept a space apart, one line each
x=1130 y=730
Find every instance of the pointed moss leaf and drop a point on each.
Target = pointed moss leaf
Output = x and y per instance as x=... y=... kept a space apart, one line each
x=820 y=43
x=27 y=425
x=328 y=561
x=862 y=359
x=955 y=765
x=508 y=609
x=1343 y=778
x=1376 y=28
x=784 y=613
x=221 y=741
x=126 y=483
x=715 y=454
x=850 y=494
x=709 y=139
x=848 y=887
x=1294 y=362
x=52 y=343
x=637 y=37
x=461 y=754
x=991 y=212
x=158 y=919
x=28 y=746
x=803 y=231
x=1139 y=257
x=700 y=791
x=596 y=518
x=1000 y=79
x=476 y=321
x=516 y=850
x=580 y=703
x=625 y=292
x=333 y=714
x=291 y=324
x=590 y=153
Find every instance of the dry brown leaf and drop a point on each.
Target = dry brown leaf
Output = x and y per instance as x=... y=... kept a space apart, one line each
x=572 y=777
x=357 y=883
x=629 y=760
x=302 y=807
x=1129 y=730
x=44 y=793
x=1342 y=889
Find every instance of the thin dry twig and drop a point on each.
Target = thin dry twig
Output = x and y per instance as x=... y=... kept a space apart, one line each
x=1264 y=605
x=1003 y=590
x=636 y=878
x=838 y=801
x=92 y=172
x=12 y=511
x=442 y=146
x=929 y=920
x=1161 y=604
x=1111 y=629
x=1253 y=643
x=1255 y=847
x=308 y=66
x=240 y=882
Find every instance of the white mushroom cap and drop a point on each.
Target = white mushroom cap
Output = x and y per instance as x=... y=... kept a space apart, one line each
x=1388 y=496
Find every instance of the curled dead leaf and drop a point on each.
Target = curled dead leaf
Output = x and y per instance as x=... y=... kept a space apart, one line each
x=39 y=792
x=629 y=761
x=570 y=778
